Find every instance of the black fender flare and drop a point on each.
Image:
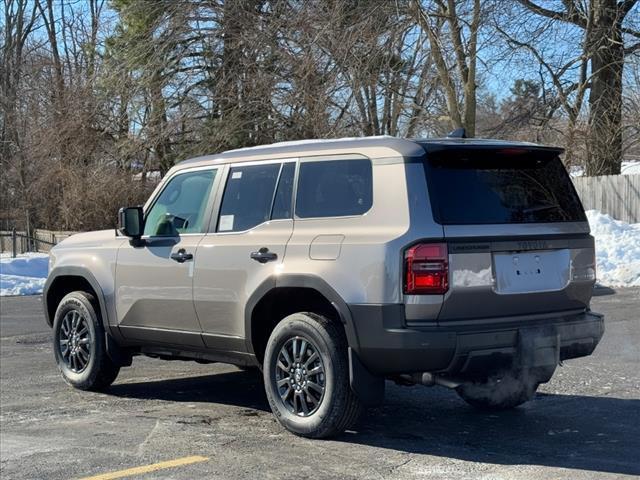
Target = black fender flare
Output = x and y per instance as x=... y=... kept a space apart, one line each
x=368 y=387
x=75 y=272
x=300 y=281
x=117 y=354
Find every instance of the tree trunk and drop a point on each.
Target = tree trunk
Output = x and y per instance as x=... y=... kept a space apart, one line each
x=158 y=124
x=470 y=81
x=605 y=99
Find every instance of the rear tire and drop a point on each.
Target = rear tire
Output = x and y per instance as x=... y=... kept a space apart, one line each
x=79 y=344
x=499 y=392
x=306 y=376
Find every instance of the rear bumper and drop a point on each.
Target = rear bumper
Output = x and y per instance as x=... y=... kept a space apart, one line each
x=471 y=348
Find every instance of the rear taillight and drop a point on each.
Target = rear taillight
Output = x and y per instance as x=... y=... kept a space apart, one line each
x=426 y=269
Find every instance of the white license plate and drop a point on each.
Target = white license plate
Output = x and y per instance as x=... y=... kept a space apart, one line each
x=535 y=271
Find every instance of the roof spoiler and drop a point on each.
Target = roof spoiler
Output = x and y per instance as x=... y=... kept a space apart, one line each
x=457 y=133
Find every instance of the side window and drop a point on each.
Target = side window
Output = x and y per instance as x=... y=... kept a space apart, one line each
x=282 y=201
x=334 y=188
x=181 y=206
x=248 y=196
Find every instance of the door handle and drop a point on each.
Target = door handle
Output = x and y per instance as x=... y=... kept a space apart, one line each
x=263 y=255
x=181 y=256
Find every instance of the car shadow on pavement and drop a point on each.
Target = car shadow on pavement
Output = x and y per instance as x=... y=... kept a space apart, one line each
x=600 y=291
x=240 y=388
x=599 y=434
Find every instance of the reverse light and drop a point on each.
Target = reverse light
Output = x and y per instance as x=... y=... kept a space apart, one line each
x=426 y=269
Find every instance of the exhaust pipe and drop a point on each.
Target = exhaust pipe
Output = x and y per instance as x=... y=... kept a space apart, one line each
x=429 y=380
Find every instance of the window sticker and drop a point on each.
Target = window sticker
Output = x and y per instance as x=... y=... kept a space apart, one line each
x=236 y=175
x=226 y=223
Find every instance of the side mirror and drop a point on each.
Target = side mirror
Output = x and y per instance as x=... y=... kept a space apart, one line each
x=131 y=222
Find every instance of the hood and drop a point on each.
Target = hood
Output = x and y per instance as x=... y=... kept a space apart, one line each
x=87 y=239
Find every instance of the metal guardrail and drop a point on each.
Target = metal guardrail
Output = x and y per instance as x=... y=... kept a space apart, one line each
x=24 y=243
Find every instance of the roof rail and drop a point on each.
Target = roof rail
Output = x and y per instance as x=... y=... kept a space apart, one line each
x=457 y=133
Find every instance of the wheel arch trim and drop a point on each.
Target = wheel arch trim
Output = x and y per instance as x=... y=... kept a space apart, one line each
x=368 y=387
x=69 y=271
x=299 y=281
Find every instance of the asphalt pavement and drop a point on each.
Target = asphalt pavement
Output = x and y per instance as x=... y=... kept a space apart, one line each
x=182 y=420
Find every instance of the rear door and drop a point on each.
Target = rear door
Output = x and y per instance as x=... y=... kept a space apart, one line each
x=245 y=248
x=517 y=235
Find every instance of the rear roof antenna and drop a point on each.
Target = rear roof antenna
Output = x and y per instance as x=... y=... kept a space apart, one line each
x=457 y=133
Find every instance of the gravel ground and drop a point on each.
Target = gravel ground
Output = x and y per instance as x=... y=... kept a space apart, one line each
x=585 y=423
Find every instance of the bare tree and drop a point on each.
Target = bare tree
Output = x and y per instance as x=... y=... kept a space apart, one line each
x=19 y=22
x=565 y=78
x=603 y=22
x=438 y=20
x=99 y=97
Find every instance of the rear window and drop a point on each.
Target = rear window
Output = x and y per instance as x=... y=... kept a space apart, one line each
x=489 y=188
x=248 y=196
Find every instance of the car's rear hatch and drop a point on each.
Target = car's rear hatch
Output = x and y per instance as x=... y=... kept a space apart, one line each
x=517 y=237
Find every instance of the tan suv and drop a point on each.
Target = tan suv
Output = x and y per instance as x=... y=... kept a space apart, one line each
x=334 y=265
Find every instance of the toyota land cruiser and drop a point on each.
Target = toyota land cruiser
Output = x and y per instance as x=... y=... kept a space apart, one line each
x=333 y=265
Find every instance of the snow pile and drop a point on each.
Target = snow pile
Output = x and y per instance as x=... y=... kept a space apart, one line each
x=576 y=171
x=617 y=250
x=630 y=167
x=23 y=275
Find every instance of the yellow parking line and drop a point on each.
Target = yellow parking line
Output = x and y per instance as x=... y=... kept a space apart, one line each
x=148 y=468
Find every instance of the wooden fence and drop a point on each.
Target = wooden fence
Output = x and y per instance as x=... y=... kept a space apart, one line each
x=617 y=195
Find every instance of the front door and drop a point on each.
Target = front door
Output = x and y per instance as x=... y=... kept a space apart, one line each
x=245 y=248
x=154 y=282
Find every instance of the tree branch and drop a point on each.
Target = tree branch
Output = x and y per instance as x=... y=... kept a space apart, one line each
x=570 y=17
x=626 y=6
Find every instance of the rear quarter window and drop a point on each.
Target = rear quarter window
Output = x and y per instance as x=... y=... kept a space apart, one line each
x=492 y=188
x=334 y=188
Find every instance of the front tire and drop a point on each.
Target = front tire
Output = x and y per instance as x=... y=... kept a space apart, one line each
x=79 y=344
x=500 y=392
x=306 y=376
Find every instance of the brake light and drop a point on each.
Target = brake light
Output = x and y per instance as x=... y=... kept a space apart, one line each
x=512 y=151
x=426 y=269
